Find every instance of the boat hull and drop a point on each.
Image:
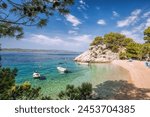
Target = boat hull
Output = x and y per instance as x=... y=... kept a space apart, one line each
x=61 y=69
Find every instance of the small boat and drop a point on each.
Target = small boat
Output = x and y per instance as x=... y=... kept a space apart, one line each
x=36 y=75
x=62 y=69
x=83 y=63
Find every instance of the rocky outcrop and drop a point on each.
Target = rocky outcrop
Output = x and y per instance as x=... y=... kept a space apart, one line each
x=97 y=54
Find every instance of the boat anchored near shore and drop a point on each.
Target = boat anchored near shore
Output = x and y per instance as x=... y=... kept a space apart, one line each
x=62 y=69
x=82 y=63
x=36 y=75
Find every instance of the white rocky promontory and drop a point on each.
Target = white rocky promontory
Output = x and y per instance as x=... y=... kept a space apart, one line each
x=97 y=54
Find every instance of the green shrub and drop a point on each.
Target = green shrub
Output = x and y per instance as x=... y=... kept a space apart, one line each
x=82 y=92
x=10 y=91
x=97 y=40
x=122 y=55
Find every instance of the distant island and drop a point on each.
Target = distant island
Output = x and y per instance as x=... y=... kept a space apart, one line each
x=38 y=50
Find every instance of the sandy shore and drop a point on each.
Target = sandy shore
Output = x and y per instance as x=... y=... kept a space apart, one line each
x=140 y=74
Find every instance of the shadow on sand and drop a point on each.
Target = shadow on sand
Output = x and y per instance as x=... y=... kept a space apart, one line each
x=120 y=90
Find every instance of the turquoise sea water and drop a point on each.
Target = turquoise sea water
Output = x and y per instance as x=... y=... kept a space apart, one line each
x=46 y=64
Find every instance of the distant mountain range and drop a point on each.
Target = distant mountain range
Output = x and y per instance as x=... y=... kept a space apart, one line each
x=37 y=50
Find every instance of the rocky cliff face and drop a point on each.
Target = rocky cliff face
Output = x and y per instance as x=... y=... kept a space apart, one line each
x=97 y=54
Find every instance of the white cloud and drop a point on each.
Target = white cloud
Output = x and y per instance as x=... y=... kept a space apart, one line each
x=82 y=2
x=73 y=32
x=131 y=20
x=78 y=8
x=83 y=5
x=139 y=29
x=101 y=22
x=76 y=28
x=147 y=14
x=83 y=39
x=85 y=16
x=75 y=21
x=115 y=14
x=132 y=34
x=44 y=40
x=147 y=23
x=136 y=12
x=136 y=32
x=75 y=43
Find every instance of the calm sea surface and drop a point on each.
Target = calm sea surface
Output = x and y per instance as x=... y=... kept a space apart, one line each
x=46 y=64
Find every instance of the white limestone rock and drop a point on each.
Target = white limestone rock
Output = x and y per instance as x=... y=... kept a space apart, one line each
x=97 y=54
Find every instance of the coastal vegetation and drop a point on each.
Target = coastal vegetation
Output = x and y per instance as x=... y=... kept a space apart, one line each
x=126 y=47
x=147 y=35
x=82 y=92
x=14 y=16
x=113 y=41
x=98 y=40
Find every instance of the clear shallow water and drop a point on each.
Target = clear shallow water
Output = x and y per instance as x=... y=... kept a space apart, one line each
x=46 y=64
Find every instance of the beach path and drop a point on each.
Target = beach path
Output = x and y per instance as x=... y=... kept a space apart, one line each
x=140 y=74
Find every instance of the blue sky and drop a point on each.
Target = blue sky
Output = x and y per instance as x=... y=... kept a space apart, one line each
x=87 y=19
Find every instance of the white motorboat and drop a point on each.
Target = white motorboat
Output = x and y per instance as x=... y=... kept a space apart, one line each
x=62 y=69
x=36 y=75
x=83 y=63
